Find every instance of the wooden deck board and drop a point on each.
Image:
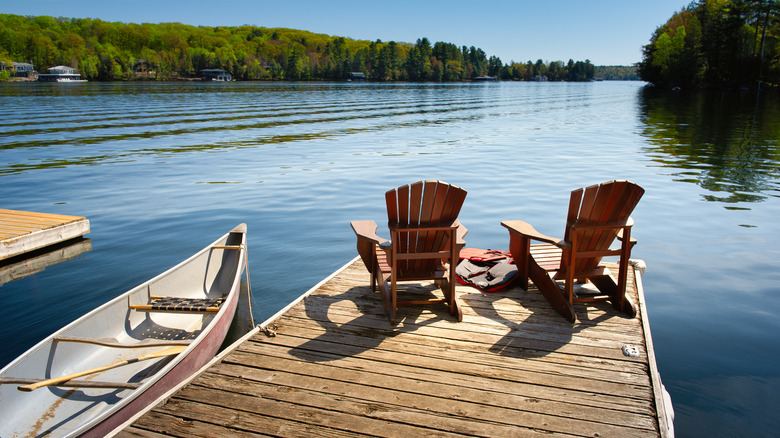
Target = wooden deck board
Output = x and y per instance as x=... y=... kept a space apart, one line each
x=337 y=367
x=24 y=231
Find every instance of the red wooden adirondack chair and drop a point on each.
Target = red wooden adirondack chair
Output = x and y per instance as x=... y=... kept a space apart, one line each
x=425 y=239
x=597 y=215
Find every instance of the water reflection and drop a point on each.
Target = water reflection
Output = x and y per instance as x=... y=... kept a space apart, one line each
x=36 y=261
x=726 y=142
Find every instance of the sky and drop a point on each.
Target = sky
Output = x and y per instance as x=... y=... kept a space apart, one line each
x=607 y=32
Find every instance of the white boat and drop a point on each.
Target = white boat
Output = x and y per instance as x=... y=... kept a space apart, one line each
x=141 y=344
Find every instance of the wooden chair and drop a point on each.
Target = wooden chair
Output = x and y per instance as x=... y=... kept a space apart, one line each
x=425 y=240
x=597 y=215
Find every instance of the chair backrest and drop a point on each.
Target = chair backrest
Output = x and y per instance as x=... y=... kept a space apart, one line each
x=606 y=203
x=423 y=203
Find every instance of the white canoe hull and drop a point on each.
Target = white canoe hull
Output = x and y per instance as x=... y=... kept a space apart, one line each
x=213 y=272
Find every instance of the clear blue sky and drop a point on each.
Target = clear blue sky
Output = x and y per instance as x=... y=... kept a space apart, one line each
x=608 y=32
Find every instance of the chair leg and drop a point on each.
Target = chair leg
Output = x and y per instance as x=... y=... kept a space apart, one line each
x=454 y=258
x=551 y=292
x=450 y=296
x=622 y=280
x=520 y=248
x=620 y=301
x=455 y=308
x=380 y=279
x=392 y=300
x=375 y=276
x=452 y=301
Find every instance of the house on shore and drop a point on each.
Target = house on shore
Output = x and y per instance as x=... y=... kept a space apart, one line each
x=60 y=73
x=144 y=69
x=215 y=74
x=22 y=70
x=356 y=76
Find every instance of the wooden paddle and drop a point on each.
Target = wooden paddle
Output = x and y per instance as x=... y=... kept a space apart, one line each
x=53 y=382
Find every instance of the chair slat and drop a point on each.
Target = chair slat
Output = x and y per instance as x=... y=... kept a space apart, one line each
x=424 y=239
x=596 y=210
x=438 y=214
x=415 y=200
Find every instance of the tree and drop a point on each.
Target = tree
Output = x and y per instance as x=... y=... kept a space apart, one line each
x=555 y=71
x=418 y=61
x=453 y=70
x=478 y=61
x=616 y=73
x=715 y=42
x=413 y=65
x=494 y=66
x=437 y=70
x=540 y=69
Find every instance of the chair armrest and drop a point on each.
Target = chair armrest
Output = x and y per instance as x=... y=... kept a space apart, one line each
x=632 y=241
x=367 y=230
x=460 y=234
x=525 y=229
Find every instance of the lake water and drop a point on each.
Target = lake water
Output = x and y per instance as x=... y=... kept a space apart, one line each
x=161 y=170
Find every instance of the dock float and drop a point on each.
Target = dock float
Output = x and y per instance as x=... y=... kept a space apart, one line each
x=24 y=231
x=330 y=364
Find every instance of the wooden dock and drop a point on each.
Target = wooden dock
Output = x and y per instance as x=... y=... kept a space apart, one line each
x=336 y=367
x=24 y=231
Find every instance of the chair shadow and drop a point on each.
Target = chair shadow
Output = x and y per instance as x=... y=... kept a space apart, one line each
x=530 y=335
x=537 y=334
x=368 y=330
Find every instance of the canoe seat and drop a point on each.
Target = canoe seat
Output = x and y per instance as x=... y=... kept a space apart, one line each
x=181 y=304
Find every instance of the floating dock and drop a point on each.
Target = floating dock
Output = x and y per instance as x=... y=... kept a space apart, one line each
x=24 y=231
x=334 y=366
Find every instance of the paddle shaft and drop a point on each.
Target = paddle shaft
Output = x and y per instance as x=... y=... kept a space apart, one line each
x=53 y=382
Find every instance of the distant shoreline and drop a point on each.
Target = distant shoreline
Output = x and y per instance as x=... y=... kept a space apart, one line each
x=115 y=51
x=198 y=80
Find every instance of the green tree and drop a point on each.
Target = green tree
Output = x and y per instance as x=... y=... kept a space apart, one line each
x=478 y=61
x=89 y=67
x=453 y=70
x=715 y=42
x=418 y=61
x=6 y=63
x=437 y=70
x=540 y=69
x=494 y=66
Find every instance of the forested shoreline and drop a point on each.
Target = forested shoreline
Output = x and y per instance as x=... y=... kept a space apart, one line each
x=716 y=43
x=109 y=51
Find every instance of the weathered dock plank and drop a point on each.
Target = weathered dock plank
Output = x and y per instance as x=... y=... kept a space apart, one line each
x=512 y=367
x=24 y=231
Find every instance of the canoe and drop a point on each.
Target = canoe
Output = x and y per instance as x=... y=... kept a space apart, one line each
x=146 y=341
